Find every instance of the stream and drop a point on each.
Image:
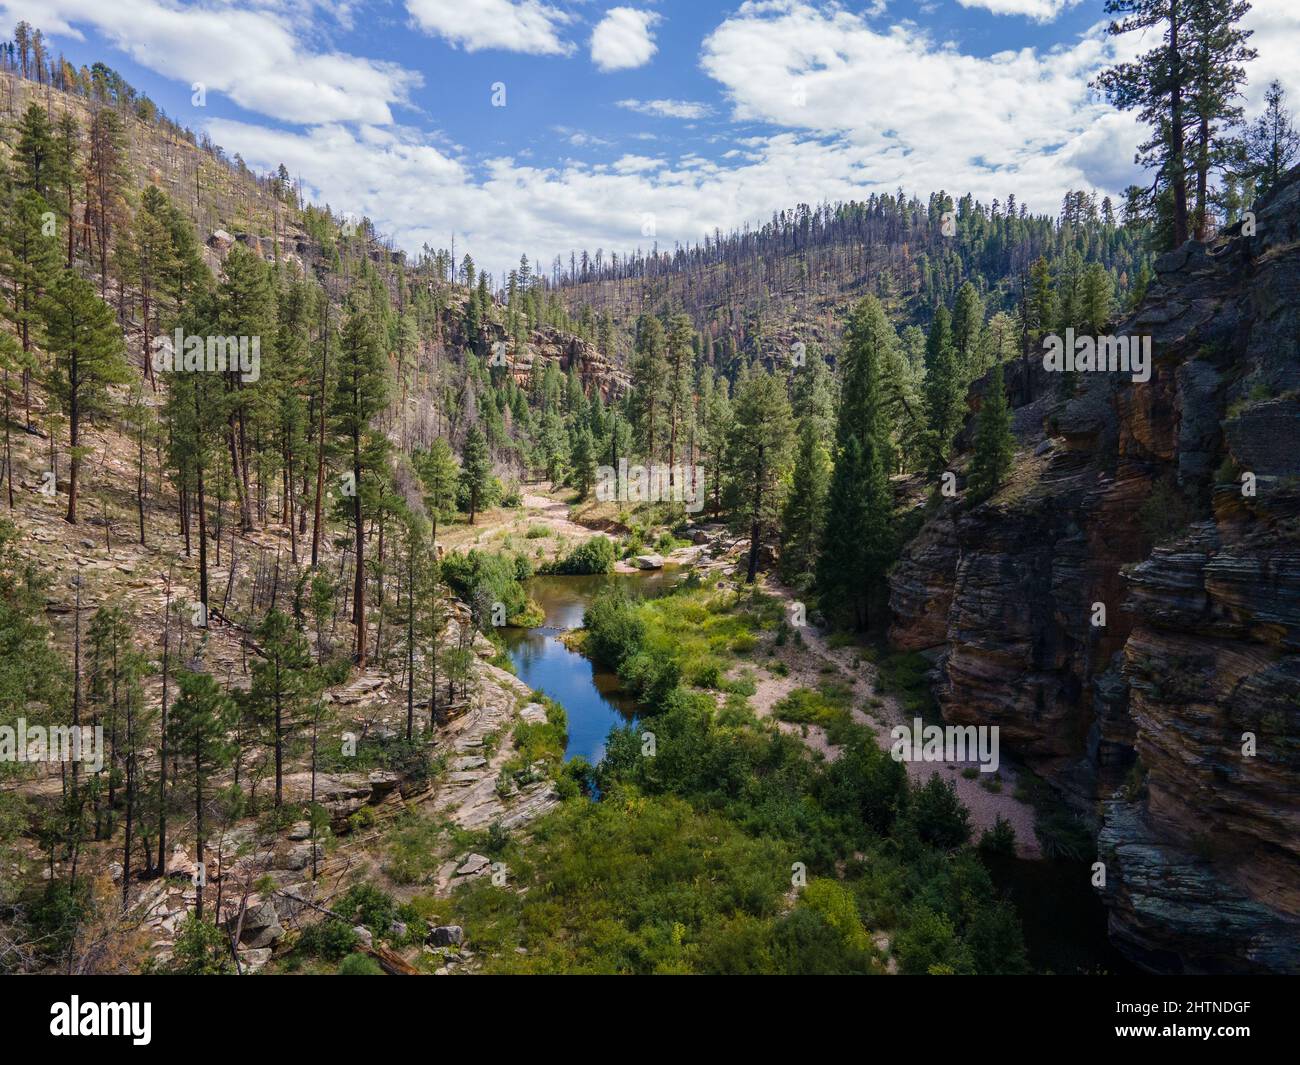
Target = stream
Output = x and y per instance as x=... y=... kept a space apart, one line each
x=590 y=696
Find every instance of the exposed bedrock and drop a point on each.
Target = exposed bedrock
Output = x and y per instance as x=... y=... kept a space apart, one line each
x=1174 y=504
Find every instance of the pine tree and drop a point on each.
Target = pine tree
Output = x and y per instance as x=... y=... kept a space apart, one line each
x=994 y=442
x=67 y=146
x=145 y=259
x=440 y=475
x=106 y=181
x=475 y=468
x=677 y=396
x=245 y=308
x=715 y=430
x=35 y=156
x=28 y=259
x=359 y=394
x=942 y=387
x=805 y=504
x=195 y=414
x=858 y=539
x=968 y=331
x=584 y=462
x=280 y=682
x=812 y=392
x=1157 y=86
x=199 y=720
x=647 y=393
x=1272 y=142
x=287 y=383
x=756 y=456
x=1218 y=54
x=86 y=343
x=1097 y=295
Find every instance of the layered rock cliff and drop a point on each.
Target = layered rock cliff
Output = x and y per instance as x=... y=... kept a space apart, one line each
x=1127 y=608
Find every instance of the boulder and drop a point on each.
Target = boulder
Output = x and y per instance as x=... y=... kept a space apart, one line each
x=261 y=926
x=650 y=561
x=447 y=935
x=473 y=865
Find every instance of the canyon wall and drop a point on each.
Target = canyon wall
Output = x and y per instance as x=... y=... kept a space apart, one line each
x=1127 y=608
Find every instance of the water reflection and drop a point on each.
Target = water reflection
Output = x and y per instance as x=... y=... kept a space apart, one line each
x=590 y=696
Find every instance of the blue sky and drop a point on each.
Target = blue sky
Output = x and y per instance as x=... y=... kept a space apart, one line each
x=630 y=123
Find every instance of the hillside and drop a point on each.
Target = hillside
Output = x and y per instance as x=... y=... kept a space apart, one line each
x=756 y=293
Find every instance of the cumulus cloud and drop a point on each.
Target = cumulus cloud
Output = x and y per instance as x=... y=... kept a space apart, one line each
x=1012 y=121
x=1038 y=10
x=666 y=108
x=622 y=40
x=253 y=56
x=528 y=26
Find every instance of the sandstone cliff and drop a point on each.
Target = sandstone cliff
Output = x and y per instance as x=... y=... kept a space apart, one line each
x=1174 y=726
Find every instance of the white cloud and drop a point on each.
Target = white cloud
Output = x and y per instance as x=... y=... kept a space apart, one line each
x=580 y=139
x=622 y=40
x=252 y=56
x=928 y=116
x=1038 y=10
x=1277 y=39
x=666 y=108
x=528 y=26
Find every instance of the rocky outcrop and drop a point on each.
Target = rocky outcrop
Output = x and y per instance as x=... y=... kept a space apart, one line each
x=1127 y=609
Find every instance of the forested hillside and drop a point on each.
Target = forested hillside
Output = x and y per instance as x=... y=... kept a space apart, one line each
x=752 y=294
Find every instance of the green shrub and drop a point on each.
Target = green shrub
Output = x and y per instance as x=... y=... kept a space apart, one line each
x=1166 y=511
x=615 y=629
x=930 y=940
x=938 y=816
x=201 y=949
x=595 y=556
x=359 y=965
x=999 y=840
x=368 y=905
x=330 y=939
x=482 y=578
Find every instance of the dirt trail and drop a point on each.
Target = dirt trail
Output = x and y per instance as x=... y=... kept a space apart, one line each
x=886 y=711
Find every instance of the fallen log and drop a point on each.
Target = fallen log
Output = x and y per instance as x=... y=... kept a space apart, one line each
x=391 y=962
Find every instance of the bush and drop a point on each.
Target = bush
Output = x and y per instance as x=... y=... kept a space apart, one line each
x=360 y=965
x=368 y=905
x=201 y=949
x=995 y=941
x=999 y=840
x=330 y=939
x=615 y=629
x=839 y=909
x=938 y=816
x=806 y=944
x=930 y=941
x=864 y=786
x=650 y=676
x=595 y=556
x=482 y=578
